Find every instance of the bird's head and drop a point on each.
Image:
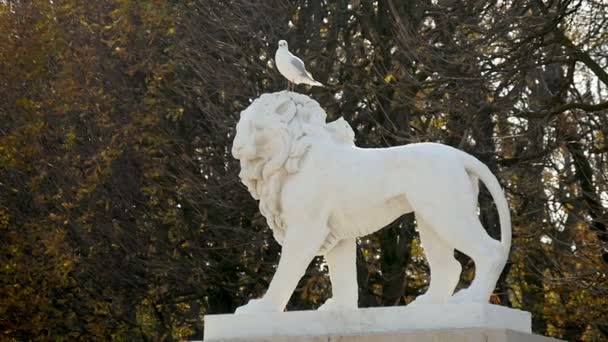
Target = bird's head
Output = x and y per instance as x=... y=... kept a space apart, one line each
x=282 y=44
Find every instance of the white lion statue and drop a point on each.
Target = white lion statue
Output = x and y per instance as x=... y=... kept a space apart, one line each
x=319 y=192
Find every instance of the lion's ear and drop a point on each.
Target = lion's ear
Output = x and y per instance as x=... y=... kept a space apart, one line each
x=286 y=110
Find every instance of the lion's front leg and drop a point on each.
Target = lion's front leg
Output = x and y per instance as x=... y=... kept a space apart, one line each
x=301 y=244
x=342 y=262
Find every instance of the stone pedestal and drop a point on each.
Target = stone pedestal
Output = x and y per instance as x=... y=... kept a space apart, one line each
x=450 y=322
x=440 y=335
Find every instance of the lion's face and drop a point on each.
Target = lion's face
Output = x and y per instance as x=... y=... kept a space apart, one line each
x=271 y=144
x=260 y=131
x=256 y=135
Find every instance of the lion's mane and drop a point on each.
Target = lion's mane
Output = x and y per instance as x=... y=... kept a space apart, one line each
x=264 y=178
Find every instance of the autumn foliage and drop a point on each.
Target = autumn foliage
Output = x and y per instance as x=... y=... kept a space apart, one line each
x=121 y=213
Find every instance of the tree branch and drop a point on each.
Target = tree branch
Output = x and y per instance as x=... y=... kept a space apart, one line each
x=577 y=53
x=565 y=107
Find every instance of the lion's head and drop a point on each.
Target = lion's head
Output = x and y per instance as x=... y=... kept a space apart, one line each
x=272 y=138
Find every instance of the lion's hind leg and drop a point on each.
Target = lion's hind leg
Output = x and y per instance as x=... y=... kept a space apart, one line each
x=342 y=262
x=489 y=261
x=464 y=232
x=445 y=269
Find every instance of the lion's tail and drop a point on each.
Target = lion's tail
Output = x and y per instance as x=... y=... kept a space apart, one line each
x=476 y=167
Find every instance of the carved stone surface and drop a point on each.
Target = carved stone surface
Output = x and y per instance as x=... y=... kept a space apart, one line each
x=362 y=322
x=443 y=335
x=319 y=192
x=439 y=335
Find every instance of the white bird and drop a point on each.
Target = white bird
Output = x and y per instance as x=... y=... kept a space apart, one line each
x=292 y=68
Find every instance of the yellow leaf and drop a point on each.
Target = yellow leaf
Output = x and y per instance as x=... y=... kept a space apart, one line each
x=388 y=78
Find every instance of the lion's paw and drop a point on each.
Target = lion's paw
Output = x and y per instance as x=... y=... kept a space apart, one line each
x=332 y=305
x=466 y=296
x=427 y=299
x=257 y=305
x=421 y=300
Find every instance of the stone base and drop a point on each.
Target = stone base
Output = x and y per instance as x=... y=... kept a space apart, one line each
x=441 y=335
x=399 y=323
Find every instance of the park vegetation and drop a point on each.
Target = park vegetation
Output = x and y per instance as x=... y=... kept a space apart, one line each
x=121 y=213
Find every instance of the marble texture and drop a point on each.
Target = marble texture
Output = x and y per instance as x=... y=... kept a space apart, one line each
x=365 y=322
x=318 y=192
x=439 y=335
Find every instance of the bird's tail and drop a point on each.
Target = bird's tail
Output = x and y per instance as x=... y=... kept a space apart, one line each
x=317 y=83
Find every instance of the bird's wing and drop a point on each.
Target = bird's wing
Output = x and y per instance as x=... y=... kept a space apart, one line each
x=299 y=65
